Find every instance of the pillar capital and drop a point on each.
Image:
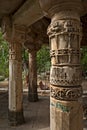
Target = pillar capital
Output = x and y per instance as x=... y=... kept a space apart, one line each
x=19 y=33
x=32 y=47
x=6 y=27
x=52 y=7
x=12 y=32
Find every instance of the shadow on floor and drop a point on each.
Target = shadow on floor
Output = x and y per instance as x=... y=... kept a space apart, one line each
x=36 y=114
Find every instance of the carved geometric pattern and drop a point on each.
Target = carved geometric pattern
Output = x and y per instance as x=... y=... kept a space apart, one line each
x=65 y=76
x=66 y=93
x=54 y=53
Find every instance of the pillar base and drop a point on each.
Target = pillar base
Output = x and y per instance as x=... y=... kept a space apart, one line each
x=15 y=118
x=32 y=97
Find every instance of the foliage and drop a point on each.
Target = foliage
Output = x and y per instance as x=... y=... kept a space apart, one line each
x=24 y=55
x=84 y=58
x=43 y=59
x=3 y=57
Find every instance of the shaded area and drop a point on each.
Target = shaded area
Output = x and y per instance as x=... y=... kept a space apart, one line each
x=36 y=114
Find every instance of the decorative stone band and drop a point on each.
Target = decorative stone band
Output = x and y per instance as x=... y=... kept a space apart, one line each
x=64 y=52
x=65 y=75
x=68 y=26
x=61 y=93
x=65 y=56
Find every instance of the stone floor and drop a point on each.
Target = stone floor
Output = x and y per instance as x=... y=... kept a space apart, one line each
x=36 y=114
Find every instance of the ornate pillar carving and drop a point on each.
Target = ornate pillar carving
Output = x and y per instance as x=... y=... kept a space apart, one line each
x=15 y=76
x=15 y=38
x=65 y=75
x=15 y=84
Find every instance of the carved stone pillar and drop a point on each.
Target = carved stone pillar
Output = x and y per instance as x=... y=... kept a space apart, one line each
x=65 y=75
x=15 y=36
x=15 y=84
x=32 y=93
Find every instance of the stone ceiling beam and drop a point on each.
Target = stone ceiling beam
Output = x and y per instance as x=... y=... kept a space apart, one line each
x=29 y=13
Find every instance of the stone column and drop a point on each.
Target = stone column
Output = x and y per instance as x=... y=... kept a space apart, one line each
x=15 y=84
x=65 y=75
x=15 y=35
x=32 y=93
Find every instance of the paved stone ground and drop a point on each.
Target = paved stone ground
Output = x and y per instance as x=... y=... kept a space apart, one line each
x=36 y=114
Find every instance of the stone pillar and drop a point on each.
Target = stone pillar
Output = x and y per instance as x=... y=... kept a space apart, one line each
x=32 y=93
x=15 y=84
x=15 y=35
x=65 y=75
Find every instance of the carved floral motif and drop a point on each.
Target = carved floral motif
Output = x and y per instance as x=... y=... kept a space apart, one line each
x=60 y=93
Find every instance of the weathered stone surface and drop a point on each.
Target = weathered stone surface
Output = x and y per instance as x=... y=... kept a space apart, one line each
x=15 y=118
x=65 y=115
x=15 y=77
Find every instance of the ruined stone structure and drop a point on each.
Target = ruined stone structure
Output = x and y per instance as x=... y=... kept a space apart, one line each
x=66 y=32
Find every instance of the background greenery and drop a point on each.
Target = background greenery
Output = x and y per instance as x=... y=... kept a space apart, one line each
x=84 y=58
x=3 y=57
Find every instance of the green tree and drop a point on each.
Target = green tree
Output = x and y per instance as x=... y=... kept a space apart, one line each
x=3 y=56
x=84 y=58
x=43 y=59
